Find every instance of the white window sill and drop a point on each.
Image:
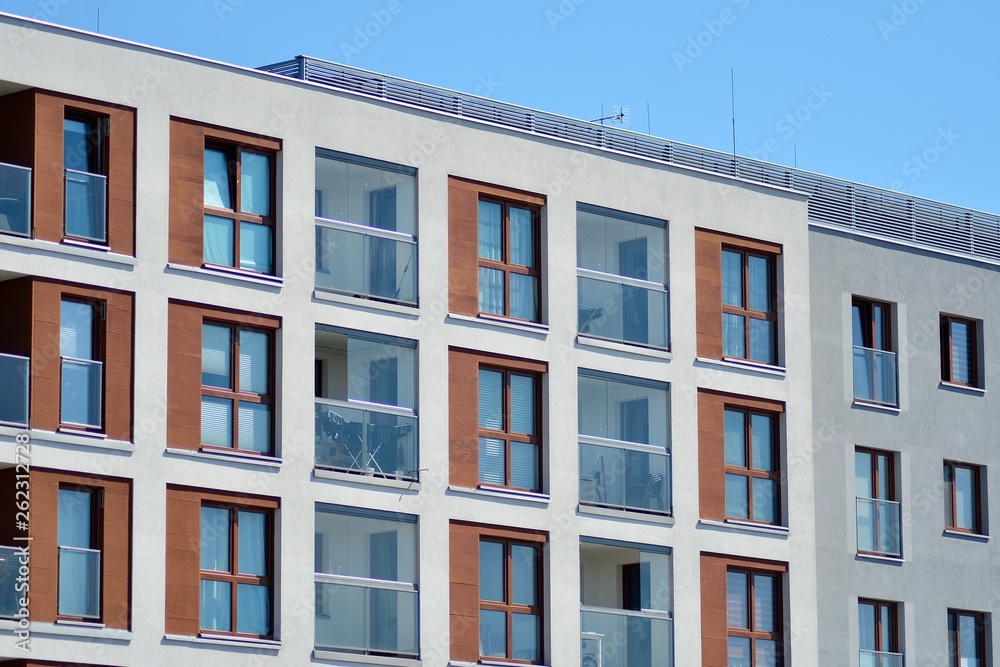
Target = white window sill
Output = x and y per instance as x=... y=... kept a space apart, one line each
x=227 y=457
x=367 y=480
x=877 y=407
x=357 y=659
x=368 y=304
x=68 y=437
x=746 y=366
x=615 y=346
x=71 y=629
x=500 y=323
x=962 y=388
x=875 y=558
x=274 y=282
x=71 y=249
x=225 y=640
x=747 y=527
x=626 y=515
x=490 y=663
x=522 y=496
x=976 y=537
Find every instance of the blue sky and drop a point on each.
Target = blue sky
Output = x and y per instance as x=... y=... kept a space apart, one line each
x=899 y=94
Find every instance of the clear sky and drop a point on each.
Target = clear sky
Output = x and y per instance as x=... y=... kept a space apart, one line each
x=901 y=94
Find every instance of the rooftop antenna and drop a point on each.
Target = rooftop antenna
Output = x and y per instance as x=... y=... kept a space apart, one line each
x=98 y=19
x=620 y=115
x=649 y=122
x=796 y=148
x=732 y=95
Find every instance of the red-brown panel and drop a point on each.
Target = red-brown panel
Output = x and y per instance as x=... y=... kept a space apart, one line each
x=714 y=642
x=711 y=456
x=708 y=293
x=464 y=612
x=463 y=249
x=187 y=201
x=45 y=358
x=47 y=178
x=183 y=562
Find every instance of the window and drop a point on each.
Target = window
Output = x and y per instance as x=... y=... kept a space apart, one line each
x=622 y=277
x=754 y=618
x=366 y=387
x=366 y=218
x=960 y=351
x=510 y=613
x=239 y=217
x=82 y=371
x=624 y=442
x=878 y=510
x=509 y=433
x=508 y=260
x=85 y=143
x=962 y=497
x=966 y=639
x=366 y=562
x=626 y=604
x=236 y=580
x=236 y=401
x=877 y=634
x=874 y=360
x=79 y=536
x=753 y=486
x=749 y=313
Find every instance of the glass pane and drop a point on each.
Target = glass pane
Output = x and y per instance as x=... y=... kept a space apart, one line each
x=524 y=297
x=253 y=543
x=15 y=200
x=762 y=428
x=524 y=465
x=858 y=325
x=490 y=231
x=522 y=236
x=766 y=500
x=75 y=519
x=256 y=183
x=81 y=392
x=14 y=374
x=254 y=361
x=253 y=609
x=341 y=260
x=216 y=421
x=216 y=364
x=866 y=627
x=969 y=629
x=739 y=652
x=522 y=404
x=365 y=546
x=737 y=603
x=492 y=462
x=525 y=583
x=79 y=583
x=732 y=278
x=490 y=399
x=255 y=426
x=217 y=179
x=215 y=539
x=219 y=240
x=962 y=346
x=85 y=203
x=884 y=477
x=491 y=291
x=736 y=448
x=734 y=336
x=737 y=501
x=382 y=620
x=965 y=496
x=216 y=605
x=759 y=272
x=81 y=144
x=492 y=634
x=491 y=571
x=863 y=474
x=888 y=623
x=765 y=603
x=256 y=247
x=767 y=653
x=622 y=478
x=76 y=329
x=526 y=635
x=600 y=309
x=762 y=341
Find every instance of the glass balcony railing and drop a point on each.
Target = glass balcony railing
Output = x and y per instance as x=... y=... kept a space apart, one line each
x=625 y=476
x=86 y=205
x=9 y=565
x=14 y=374
x=79 y=582
x=367 y=619
x=82 y=389
x=369 y=440
x=880 y=659
x=366 y=261
x=623 y=310
x=15 y=200
x=875 y=375
x=879 y=527
x=619 y=638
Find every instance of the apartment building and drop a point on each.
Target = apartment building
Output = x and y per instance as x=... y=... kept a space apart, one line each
x=312 y=364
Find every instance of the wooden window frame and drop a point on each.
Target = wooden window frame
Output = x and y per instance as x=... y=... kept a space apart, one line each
x=508 y=607
x=99 y=352
x=751 y=633
x=505 y=265
x=749 y=471
x=234 y=393
x=894 y=631
x=96 y=537
x=233 y=577
x=747 y=313
x=952 y=489
x=509 y=436
x=101 y=122
x=868 y=322
x=948 y=362
x=876 y=482
x=955 y=635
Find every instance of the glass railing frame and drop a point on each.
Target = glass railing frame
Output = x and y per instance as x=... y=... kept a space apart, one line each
x=27 y=391
x=370 y=585
x=378 y=408
x=625 y=281
x=650 y=614
x=27 y=203
x=897 y=659
x=870 y=352
x=15 y=554
x=898 y=554
x=100 y=576
x=100 y=394
x=368 y=232
x=655 y=450
x=100 y=178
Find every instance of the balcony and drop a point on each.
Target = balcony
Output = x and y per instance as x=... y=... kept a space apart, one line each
x=875 y=376
x=626 y=476
x=880 y=659
x=79 y=582
x=15 y=200
x=9 y=565
x=381 y=619
x=620 y=638
x=879 y=527
x=367 y=440
x=82 y=389
x=86 y=206
x=626 y=310
x=366 y=261
x=14 y=374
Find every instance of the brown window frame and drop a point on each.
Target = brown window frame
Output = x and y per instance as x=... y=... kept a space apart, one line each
x=747 y=313
x=100 y=353
x=505 y=265
x=894 y=631
x=869 y=329
x=751 y=632
x=96 y=537
x=947 y=360
x=235 y=394
x=507 y=435
x=508 y=607
x=876 y=482
x=233 y=577
x=952 y=489
x=101 y=127
x=749 y=471
x=955 y=636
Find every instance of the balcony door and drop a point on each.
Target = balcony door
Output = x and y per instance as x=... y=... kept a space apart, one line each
x=384 y=614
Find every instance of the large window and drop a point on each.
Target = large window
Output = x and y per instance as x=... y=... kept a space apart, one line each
x=366 y=217
x=754 y=618
x=874 y=360
x=82 y=368
x=878 y=510
x=510 y=601
x=749 y=312
x=79 y=536
x=960 y=351
x=366 y=582
x=622 y=277
x=239 y=208
x=85 y=167
x=624 y=442
x=509 y=429
x=366 y=420
x=753 y=474
x=962 y=497
x=878 y=632
x=509 y=258
x=236 y=379
x=967 y=639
